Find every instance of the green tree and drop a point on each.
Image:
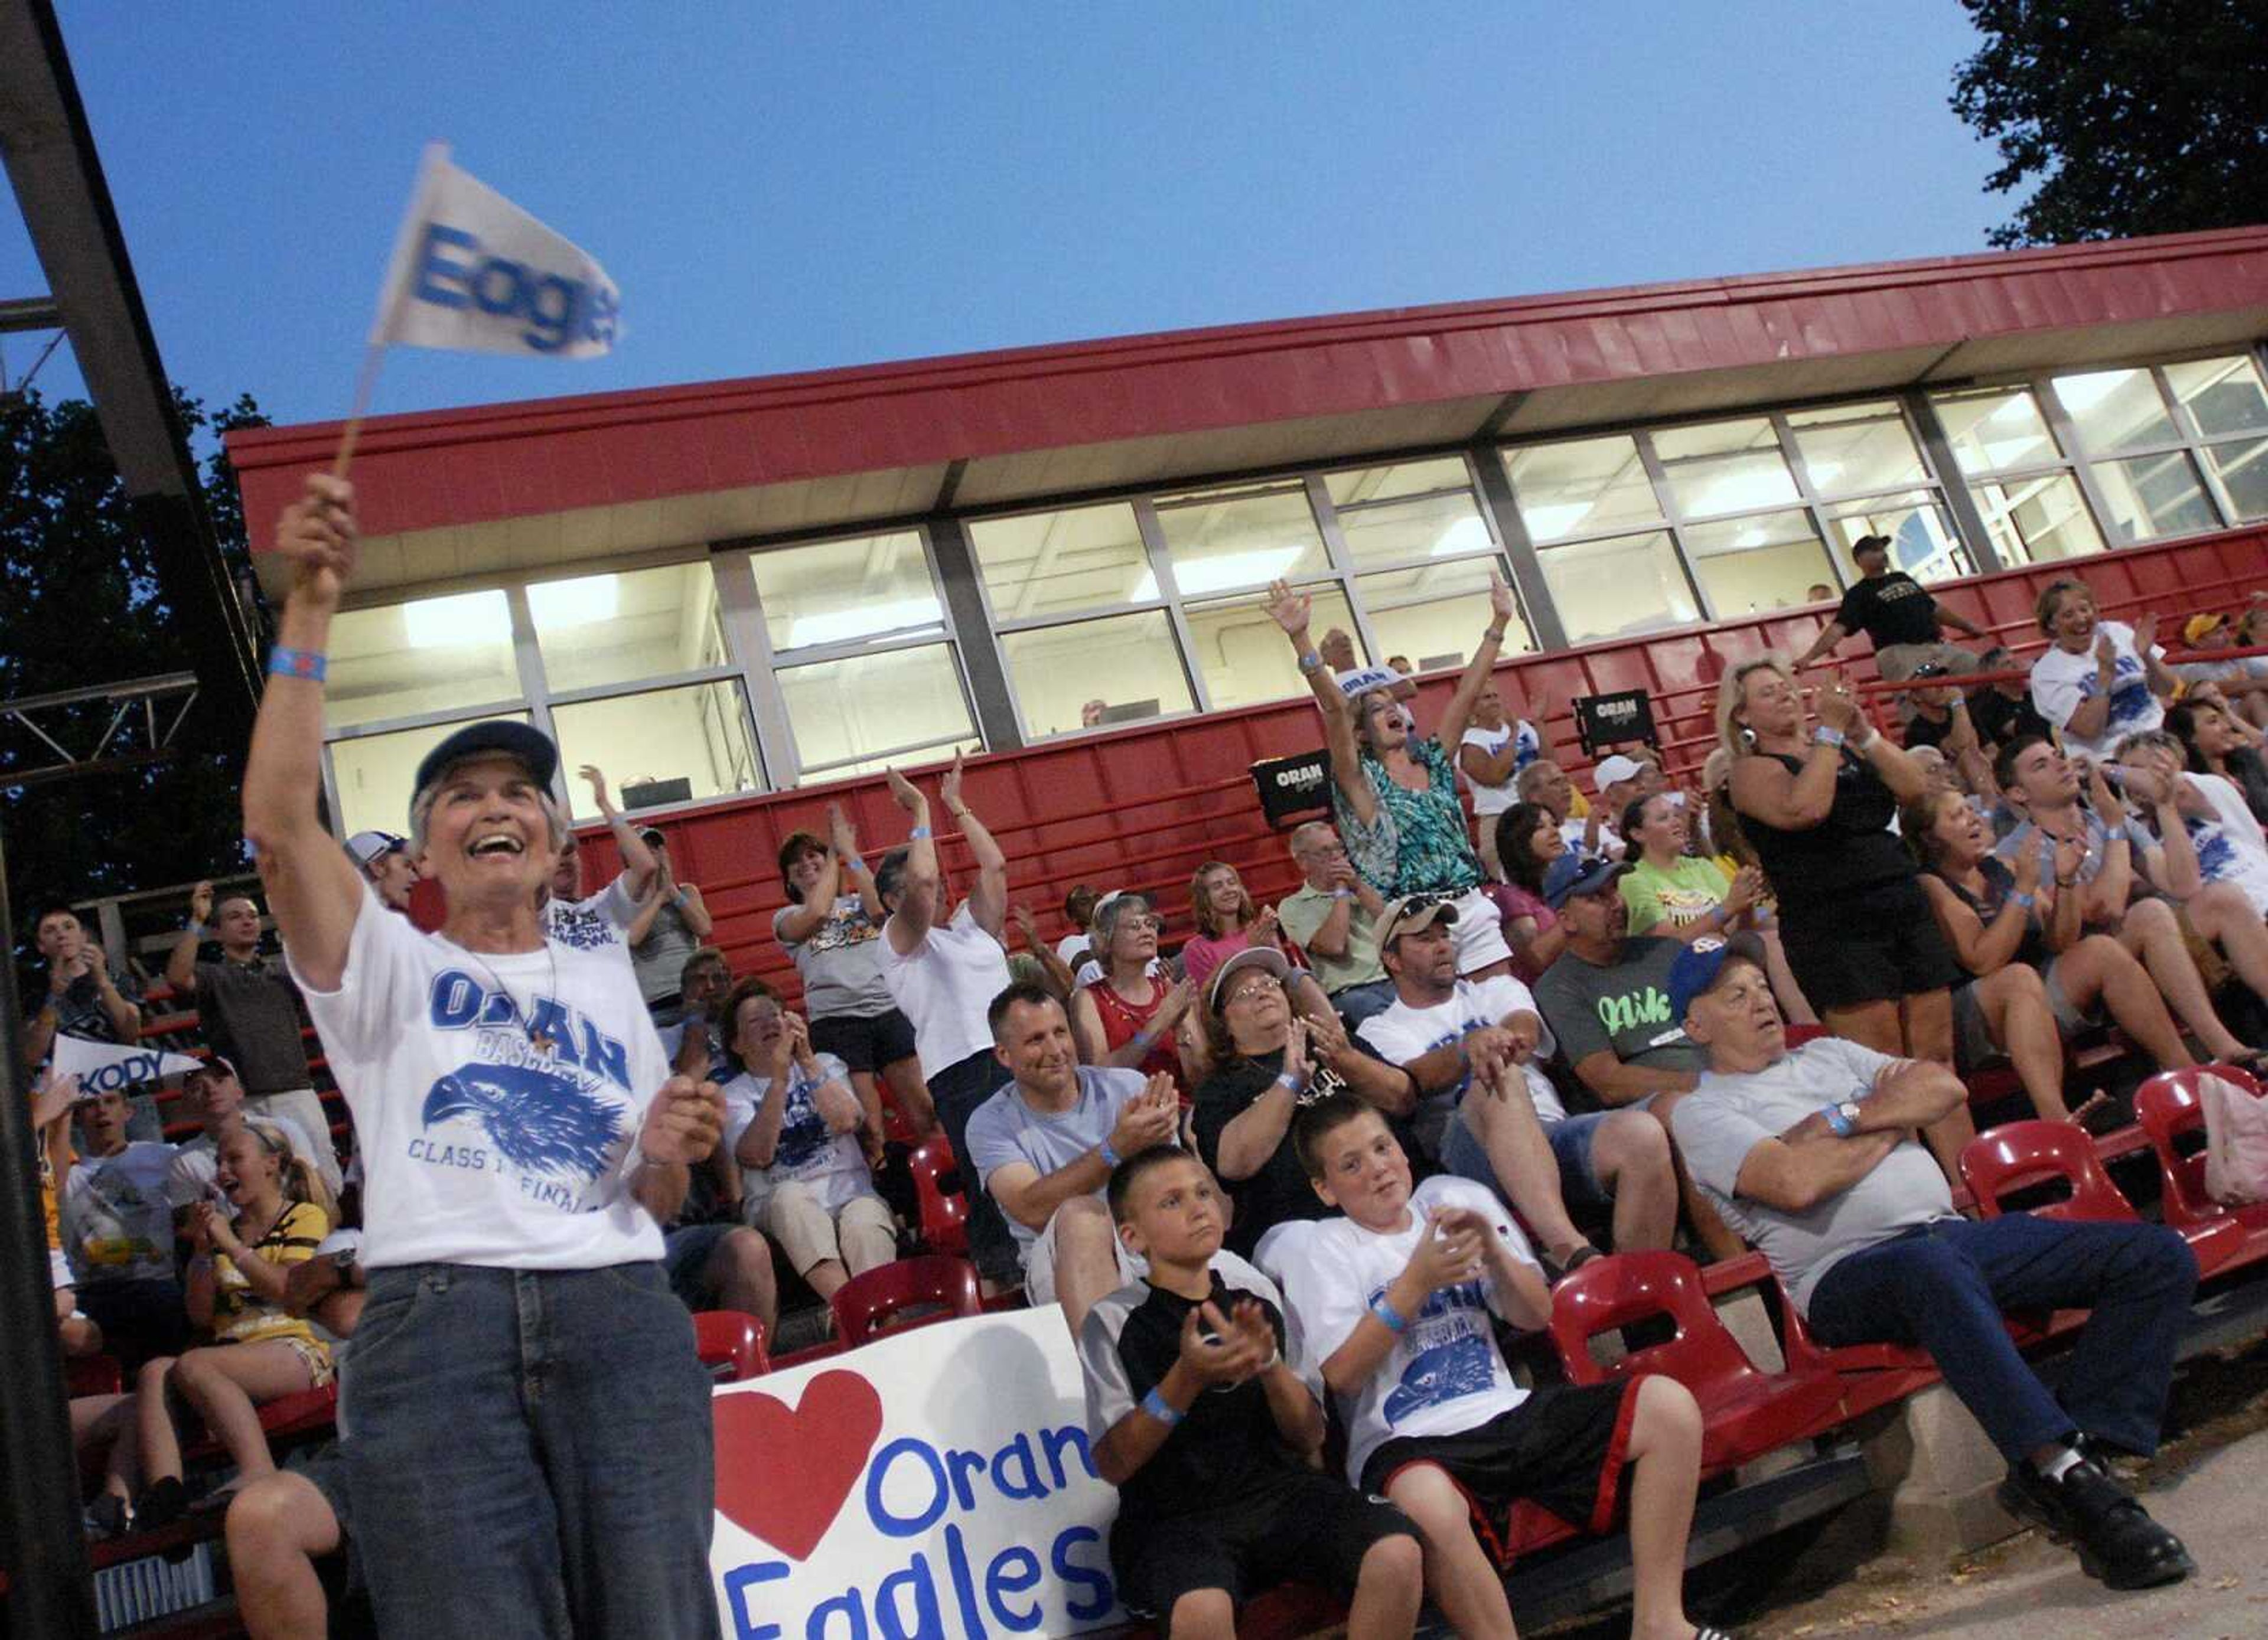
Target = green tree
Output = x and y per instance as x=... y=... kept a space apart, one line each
x=2134 y=117
x=83 y=607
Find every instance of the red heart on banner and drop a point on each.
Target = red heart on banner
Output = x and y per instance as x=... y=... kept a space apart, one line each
x=782 y=1475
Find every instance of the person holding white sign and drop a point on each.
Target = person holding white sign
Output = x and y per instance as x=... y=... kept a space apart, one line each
x=1202 y=1411
x=529 y=1450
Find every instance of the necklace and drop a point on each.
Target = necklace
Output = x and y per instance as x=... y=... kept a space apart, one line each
x=540 y=1040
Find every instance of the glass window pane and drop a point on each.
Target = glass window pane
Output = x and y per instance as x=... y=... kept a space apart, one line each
x=430 y=655
x=1244 y=538
x=1922 y=542
x=1043 y=564
x=1852 y=448
x=867 y=706
x=1581 y=488
x=1723 y=466
x=838 y=591
x=2154 y=495
x=1995 y=430
x=1242 y=653
x=1124 y=666
x=1431 y=526
x=1615 y=588
x=374 y=775
x=1750 y=565
x=665 y=746
x=1435 y=614
x=597 y=629
x=1401 y=478
x=2224 y=395
x=2241 y=467
x=2115 y=409
x=2033 y=520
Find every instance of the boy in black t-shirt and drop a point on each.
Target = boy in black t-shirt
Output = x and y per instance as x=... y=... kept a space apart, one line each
x=1227 y=1505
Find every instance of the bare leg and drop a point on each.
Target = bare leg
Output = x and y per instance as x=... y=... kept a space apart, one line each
x=1087 y=1257
x=1926 y=1021
x=1458 y=1573
x=2017 y=1017
x=1502 y=1117
x=277 y=1527
x=161 y=1445
x=2223 y=915
x=1387 y=1592
x=869 y=1094
x=2099 y=967
x=739 y=1273
x=1630 y=1153
x=826 y=1277
x=1784 y=989
x=227 y=1386
x=903 y=1079
x=105 y=1424
x=2152 y=935
x=1714 y=1233
x=1202 y=1615
x=1665 y=1452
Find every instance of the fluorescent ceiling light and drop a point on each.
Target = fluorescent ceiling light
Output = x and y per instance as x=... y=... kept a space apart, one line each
x=1218 y=574
x=1554 y=521
x=2081 y=393
x=457 y=622
x=838 y=626
x=577 y=603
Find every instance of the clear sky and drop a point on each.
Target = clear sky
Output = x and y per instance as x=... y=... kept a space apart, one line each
x=779 y=187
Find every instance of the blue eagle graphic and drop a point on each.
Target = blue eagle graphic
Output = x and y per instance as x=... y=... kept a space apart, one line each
x=540 y=1123
x=1446 y=1371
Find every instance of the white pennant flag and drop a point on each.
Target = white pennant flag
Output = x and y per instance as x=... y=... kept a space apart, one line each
x=101 y=1067
x=473 y=270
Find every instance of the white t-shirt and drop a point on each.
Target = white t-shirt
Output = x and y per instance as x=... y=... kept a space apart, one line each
x=2062 y=681
x=1402 y=1033
x=1445 y=1373
x=2230 y=849
x=830 y=1163
x=1611 y=845
x=478 y=1147
x=595 y=923
x=943 y=986
x=1497 y=798
x=115 y=1222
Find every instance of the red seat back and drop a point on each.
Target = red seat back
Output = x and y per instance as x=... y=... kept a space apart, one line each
x=864 y=1305
x=2167 y=1106
x=943 y=1212
x=732 y=1340
x=1613 y=1291
x=2018 y=1155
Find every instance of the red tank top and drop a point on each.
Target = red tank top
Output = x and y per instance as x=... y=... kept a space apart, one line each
x=1123 y=1021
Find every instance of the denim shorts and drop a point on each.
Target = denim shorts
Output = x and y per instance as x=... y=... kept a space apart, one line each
x=1571 y=1139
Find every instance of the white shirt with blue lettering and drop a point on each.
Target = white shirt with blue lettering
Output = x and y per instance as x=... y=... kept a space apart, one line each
x=1445 y=1374
x=599 y=922
x=2230 y=847
x=1402 y=1033
x=477 y=1146
x=2062 y=681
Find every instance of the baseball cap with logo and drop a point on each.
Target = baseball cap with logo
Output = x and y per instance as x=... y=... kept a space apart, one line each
x=368 y=848
x=1695 y=971
x=1573 y=874
x=1265 y=957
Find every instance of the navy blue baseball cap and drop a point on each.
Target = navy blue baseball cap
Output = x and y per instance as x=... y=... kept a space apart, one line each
x=1572 y=873
x=1697 y=967
x=496 y=737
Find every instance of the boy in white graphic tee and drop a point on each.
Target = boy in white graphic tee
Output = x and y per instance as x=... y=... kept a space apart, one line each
x=1393 y=1303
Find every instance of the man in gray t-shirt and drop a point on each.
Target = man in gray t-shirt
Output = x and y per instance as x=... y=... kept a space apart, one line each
x=1812 y=1155
x=1043 y=1148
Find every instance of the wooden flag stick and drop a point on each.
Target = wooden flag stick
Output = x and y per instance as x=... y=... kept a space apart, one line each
x=365 y=385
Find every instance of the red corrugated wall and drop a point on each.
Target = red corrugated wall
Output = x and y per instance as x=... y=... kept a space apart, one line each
x=1144 y=806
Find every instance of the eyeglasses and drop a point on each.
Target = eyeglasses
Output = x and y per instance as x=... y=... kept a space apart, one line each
x=1264 y=986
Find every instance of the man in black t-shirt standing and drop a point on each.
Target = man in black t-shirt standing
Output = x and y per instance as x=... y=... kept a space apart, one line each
x=1889 y=606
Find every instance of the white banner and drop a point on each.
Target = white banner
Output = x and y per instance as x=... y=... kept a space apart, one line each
x=101 y=1067
x=473 y=270
x=932 y=1486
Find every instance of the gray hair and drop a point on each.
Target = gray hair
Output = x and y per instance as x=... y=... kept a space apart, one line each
x=420 y=813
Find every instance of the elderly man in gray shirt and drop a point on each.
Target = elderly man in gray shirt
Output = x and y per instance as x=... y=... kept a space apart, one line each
x=1811 y=1155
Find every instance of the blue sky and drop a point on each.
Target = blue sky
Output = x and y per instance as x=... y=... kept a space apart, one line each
x=789 y=187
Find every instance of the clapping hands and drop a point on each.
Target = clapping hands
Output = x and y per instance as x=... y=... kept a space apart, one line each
x=1222 y=1351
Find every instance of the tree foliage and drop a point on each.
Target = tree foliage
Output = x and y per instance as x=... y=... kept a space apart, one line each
x=83 y=607
x=2134 y=117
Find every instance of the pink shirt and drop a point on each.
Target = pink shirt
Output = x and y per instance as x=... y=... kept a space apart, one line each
x=1512 y=901
x=1204 y=954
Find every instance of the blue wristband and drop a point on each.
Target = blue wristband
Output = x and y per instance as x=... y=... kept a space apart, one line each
x=1110 y=1157
x=311 y=664
x=1391 y=1319
x=919 y=833
x=2024 y=900
x=1159 y=1407
x=1288 y=1082
x=1825 y=736
x=2114 y=834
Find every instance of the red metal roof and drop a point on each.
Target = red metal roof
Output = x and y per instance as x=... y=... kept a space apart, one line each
x=433 y=469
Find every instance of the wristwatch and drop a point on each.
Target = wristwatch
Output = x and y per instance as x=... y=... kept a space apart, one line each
x=1843 y=1118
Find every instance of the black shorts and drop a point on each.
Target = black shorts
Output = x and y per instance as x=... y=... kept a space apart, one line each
x=1293 y=1524
x=1878 y=945
x=865 y=1041
x=1563 y=1450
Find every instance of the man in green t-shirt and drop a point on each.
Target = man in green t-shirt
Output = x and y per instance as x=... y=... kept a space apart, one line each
x=1333 y=918
x=1607 y=1001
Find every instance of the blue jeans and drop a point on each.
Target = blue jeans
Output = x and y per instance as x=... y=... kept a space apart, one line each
x=529 y=1455
x=957 y=1091
x=1358 y=1002
x=1946 y=1286
x=1571 y=1140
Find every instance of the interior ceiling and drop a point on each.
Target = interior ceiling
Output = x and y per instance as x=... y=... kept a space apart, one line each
x=438 y=558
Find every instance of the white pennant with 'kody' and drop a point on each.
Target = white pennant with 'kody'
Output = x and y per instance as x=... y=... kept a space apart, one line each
x=102 y=1066
x=473 y=270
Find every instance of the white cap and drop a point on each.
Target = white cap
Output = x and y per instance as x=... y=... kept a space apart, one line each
x=1614 y=770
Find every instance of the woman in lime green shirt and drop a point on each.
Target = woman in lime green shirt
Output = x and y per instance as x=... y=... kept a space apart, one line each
x=1669 y=891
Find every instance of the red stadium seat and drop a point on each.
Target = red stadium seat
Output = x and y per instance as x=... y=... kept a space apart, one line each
x=944 y=1210
x=730 y=1339
x=2167 y=1107
x=1745 y=1412
x=865 y=1305
x=93 y=1375
x=2018 y=1155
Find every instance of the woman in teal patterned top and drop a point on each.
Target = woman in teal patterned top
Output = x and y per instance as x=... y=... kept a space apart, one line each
x=1394 y=792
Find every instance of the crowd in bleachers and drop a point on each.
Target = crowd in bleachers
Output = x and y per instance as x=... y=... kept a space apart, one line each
x=1503 y=1037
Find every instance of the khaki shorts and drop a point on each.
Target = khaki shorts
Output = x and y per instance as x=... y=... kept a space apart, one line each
x=1040 y=1264
x=861 y=1234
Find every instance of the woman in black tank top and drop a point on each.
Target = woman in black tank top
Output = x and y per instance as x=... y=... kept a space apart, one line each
x=2039 y=975
x=1816 y=799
